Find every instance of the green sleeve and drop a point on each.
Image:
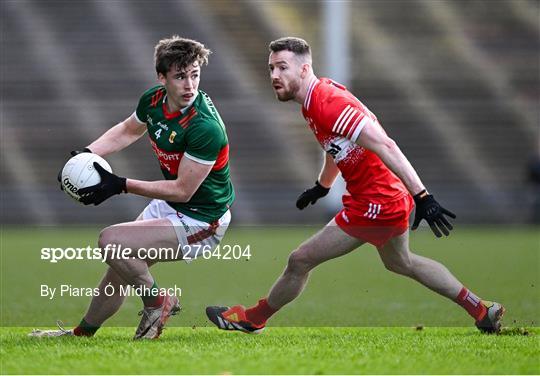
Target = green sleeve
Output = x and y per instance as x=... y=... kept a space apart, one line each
x=204 y=141
x=144 y=103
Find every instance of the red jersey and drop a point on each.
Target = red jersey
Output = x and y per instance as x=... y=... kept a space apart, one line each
x=337 y=117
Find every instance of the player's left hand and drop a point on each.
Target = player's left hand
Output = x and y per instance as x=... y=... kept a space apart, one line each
x=429 y=209
x=110 y=185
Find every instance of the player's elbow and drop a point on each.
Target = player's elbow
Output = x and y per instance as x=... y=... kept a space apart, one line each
x=187 y=197
x=389 y=144
x=385 y=146
x=182 y=196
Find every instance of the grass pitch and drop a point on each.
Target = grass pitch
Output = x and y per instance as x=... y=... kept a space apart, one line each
x=354 y=316
x=278 y=350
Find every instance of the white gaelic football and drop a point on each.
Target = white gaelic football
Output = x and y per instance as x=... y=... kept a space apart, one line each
x=79 y=172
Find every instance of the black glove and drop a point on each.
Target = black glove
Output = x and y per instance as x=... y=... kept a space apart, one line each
x=110 y=185
x=311 y=195
x=429 y=209
x=73 y=153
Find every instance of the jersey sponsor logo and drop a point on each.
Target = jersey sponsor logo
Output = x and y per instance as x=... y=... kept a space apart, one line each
x=340 y=148
x=167 y=160
x=334 y=149
x=150 y=121
x=164 y=126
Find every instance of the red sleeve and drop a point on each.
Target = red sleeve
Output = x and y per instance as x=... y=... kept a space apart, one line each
x=345 y=116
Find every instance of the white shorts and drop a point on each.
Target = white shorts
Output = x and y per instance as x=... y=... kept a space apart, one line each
x=193 y=235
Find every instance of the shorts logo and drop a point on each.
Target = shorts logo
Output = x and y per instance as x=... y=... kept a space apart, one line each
x=373 y=211
x=344 y=216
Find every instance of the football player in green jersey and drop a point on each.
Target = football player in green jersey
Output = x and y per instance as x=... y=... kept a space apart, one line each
x=190 y=207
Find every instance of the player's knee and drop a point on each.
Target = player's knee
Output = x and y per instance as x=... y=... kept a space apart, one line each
x=299 y=262
x=400 y=266
x=107 y=238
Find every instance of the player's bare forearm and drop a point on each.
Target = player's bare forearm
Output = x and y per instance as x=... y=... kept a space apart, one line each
x=395 y=160
x=329 y=171
x=191 y=174
x=168 y=190
x=375 y=139
x=118 y=137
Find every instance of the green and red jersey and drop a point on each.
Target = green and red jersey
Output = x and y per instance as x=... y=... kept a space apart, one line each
x=197 y=133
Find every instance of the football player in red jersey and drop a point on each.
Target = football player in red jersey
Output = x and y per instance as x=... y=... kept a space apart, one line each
x=382 y=189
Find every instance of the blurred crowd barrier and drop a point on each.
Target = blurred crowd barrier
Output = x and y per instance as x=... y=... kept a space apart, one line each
x=455 y=83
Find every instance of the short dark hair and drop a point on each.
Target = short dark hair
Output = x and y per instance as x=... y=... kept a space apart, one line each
x=179 y=52
x=296 y=45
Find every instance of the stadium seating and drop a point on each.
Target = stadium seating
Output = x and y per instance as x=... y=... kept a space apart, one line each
x=456 y=85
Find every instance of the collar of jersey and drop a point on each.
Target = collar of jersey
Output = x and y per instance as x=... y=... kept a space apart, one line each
x=180 y=112
x=311 y=87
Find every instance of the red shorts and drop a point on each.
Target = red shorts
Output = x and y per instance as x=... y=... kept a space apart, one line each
x=375 y=221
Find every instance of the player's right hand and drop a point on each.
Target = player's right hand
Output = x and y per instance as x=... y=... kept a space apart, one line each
x=73 y=153
x=311 y=195
x=429 y=209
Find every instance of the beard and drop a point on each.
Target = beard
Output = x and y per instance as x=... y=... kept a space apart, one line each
x=287 y=95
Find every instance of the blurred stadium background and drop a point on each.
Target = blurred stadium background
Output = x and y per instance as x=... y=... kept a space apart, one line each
x=456 y=83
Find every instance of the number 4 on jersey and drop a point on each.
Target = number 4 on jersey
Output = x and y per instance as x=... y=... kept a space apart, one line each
x=158 y=133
